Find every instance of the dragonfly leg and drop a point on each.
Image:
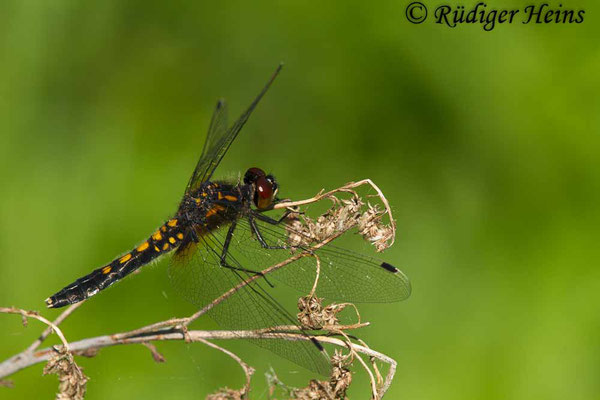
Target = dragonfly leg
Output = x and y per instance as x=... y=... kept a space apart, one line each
x=270 y=220
x=259 y=235
x=223 y=259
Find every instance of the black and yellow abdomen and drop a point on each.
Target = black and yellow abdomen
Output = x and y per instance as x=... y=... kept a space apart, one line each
x=215 y=204
x=166 y=238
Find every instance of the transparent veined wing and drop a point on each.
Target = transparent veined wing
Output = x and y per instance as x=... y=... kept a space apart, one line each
x=219 y=138
x=344 y=275
x=197 y=275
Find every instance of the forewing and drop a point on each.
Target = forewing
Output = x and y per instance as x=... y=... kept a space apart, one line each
x=197 y=275
x=219 y=138
x=217 y=132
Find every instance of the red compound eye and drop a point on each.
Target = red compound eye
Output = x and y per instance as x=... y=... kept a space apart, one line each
x=264 y=193
x=253 y=174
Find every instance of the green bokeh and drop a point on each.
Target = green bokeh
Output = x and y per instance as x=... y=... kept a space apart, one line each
x=485 y=143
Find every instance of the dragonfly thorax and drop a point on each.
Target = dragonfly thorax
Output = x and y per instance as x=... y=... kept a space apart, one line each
x=215 y=203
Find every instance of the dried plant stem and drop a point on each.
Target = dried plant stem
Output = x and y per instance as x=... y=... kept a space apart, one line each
x=373 y=363
x=56 y=322
x=248 y=370
x=25 y=359
x=362 y=362
x=318 y=274
x=34 y=315
x=371 y=377
x=371 y=353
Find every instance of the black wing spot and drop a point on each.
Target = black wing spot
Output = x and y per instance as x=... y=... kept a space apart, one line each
x=316 y=343
x=389 y=267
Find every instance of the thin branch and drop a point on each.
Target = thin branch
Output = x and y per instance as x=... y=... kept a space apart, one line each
x=317 y=275
x=373 y=363
x=371 y=377
x=24 y=360
x=6 y=383
x=248 y=370
x=350 y=346
x=156 y=356
x=34 y=315
x=56 y=322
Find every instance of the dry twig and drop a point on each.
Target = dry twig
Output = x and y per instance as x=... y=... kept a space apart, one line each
x=32 y=314
x=248 y=371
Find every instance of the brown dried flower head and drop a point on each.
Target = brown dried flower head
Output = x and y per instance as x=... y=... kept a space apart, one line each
x=344 y=215
x=313 y=315
x=227 y=394
x=73 y=382
x=335 y=388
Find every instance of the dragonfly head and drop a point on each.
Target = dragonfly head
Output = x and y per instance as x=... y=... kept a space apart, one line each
x=265 y=187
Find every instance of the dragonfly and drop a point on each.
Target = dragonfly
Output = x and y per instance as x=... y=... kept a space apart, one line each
x=222 y=235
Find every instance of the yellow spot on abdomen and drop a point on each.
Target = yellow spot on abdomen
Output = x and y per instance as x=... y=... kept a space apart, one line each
x=231 y=198
x=172 y=240
x=157 y=236
x=125 y=258
x=143 y=246
x=165 y=246
x=163 y=228
x=180 y=236
x=156 y=248
x=172 y=223
x=106 y=269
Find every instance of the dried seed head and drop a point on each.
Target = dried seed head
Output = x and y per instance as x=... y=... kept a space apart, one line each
x=313 y=315
x=341 y=377
x=316 y=390
x=371 y=228
x=345 y=214
x=335 y=388
x=72 y=380
x=337 y=219
x=226 y=394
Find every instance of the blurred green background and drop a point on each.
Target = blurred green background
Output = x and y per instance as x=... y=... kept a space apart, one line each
x=485 y=143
